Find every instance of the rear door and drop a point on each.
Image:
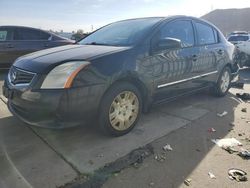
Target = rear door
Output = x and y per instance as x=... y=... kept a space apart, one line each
x=6 y=47
x=210 y=53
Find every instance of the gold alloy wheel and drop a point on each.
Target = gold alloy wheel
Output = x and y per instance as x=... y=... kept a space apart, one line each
x=123 y=111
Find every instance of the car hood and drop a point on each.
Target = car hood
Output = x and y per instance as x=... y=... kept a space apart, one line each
x=43 y=61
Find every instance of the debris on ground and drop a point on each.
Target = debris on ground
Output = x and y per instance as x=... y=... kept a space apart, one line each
x=187 y=182
x=211 y=130
x=243 y=96
x=239 y=85
x=167 y=148
x=211 y=175
x=160 y=158
x=90 y=162
x=226 y=142
x=151 y=184
x=230 y=150
x=244 y=109
x=232 y=124
x=222 y=114
x=237 y=174
x=100 y=155
x=244 y=154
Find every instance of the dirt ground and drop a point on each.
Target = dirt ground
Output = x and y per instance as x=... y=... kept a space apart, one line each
x=194 y=155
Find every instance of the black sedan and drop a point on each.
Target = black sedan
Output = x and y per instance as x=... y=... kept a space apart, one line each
x=119 y=71
x=16 y=41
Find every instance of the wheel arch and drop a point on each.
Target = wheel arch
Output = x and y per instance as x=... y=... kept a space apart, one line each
x=140 y=85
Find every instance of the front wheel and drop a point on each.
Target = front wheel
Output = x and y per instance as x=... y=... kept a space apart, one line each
x=120 y=109
x=223 y=84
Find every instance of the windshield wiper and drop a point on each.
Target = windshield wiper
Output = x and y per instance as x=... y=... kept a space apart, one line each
x=96 y=43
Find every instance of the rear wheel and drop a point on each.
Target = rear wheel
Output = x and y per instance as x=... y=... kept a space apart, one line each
x=223 y=84
x=120 y=109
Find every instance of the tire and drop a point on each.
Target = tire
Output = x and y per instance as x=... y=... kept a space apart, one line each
x=223 y=84
x=120 y=109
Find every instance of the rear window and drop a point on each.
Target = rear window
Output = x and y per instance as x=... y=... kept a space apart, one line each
x=238 y=38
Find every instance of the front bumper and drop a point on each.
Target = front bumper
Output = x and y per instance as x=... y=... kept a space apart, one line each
x=53 y=108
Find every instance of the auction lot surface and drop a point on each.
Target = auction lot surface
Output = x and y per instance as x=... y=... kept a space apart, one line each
x=35 y=157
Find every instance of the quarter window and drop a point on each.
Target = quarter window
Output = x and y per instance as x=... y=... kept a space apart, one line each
x=181 y=29
x=205 y=34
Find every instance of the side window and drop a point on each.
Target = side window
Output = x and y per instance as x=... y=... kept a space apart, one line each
x=205 y=34
x=181 y=29
x=44 y=35
x=5 y=34
x=27 y=34
x=216 y=36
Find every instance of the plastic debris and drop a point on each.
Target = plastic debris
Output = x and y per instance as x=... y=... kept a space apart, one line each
x=222 y=114
x=237 y=174
x=167 y=148
x=244 y=109
x=226 y=142
x=230 y=150
x=239 y=85
x=244 y=96
x=244 y=154
x=160 y=158
x=187 y=182
x=211 y=175
x=211 y=130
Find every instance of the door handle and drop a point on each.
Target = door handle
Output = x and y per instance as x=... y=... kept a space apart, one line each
x=9 y=46
x=194 y=57
x=46 y=45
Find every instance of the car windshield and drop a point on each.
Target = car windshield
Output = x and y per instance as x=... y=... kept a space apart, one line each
x=238 y=38
x=123 y=33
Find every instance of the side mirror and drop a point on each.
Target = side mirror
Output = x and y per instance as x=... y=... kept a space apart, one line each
x=169 y=43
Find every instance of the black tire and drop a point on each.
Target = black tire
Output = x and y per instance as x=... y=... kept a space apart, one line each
x=217 y=89
x=104 y=111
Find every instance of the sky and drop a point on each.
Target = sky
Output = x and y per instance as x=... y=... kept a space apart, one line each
x=70 y=15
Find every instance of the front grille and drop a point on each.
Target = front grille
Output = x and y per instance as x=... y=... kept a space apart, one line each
x=18 y=76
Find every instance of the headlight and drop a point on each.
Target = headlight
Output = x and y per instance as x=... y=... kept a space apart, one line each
x=63 y=75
